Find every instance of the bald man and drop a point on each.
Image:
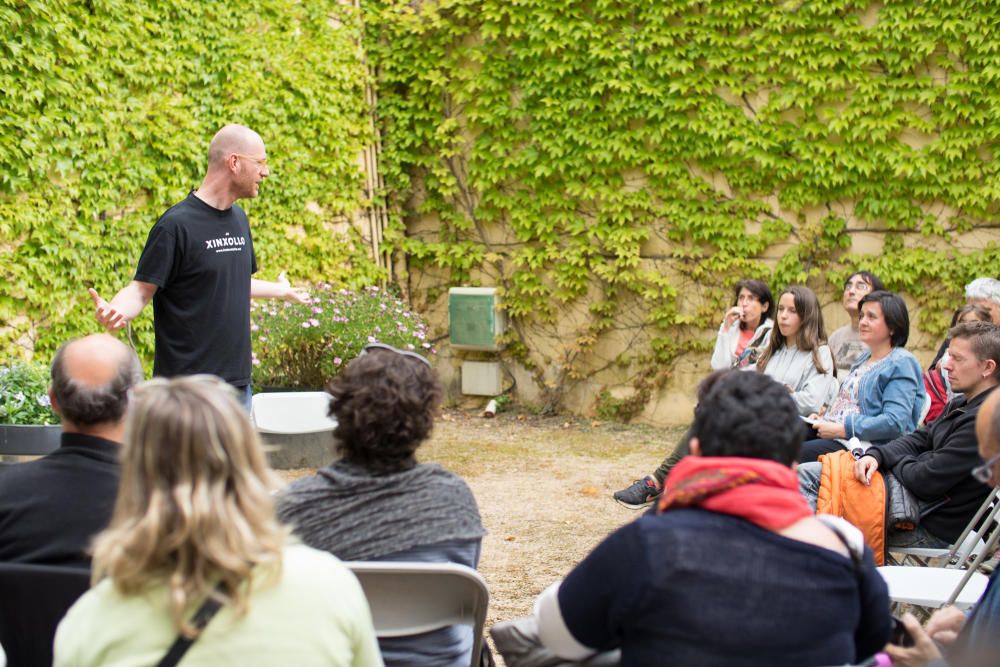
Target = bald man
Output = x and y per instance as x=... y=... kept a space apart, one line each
x=968 y=640
x=51 y=507
x=197 y=269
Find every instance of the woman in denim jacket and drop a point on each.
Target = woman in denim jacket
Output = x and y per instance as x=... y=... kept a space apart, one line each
x=884 y=395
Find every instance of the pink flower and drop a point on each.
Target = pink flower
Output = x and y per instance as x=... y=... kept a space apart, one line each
x=254 y=327
x=306 y=325
x=371 y=339
x=317 y=309
x=313 y=321
x=263 y=339
x=337 y=361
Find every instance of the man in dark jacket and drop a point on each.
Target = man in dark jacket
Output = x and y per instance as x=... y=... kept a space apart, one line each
x=967 y=639
x=933 y=463
x=50 y=508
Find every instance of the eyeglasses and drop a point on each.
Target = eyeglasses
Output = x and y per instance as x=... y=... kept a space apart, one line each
x=390 y=348
x=859 y=286
x=984 y=473
x=262 y=161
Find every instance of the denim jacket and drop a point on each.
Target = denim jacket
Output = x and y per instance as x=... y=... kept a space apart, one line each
x=891 y=397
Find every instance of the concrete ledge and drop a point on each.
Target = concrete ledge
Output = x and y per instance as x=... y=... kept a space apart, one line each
x=300 y=450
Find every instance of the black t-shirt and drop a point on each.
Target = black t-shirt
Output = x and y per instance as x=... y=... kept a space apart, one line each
x=201 y=260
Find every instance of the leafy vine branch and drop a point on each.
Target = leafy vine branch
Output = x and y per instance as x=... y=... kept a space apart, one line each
x=574 y=156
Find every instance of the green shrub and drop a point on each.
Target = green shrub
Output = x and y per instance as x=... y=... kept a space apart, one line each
x=24 y=397
x=305 y=345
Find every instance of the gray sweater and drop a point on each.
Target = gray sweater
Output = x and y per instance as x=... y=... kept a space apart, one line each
x=795 y=369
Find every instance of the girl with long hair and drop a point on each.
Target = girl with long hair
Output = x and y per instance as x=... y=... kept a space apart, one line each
x=797 y=355
x=194 y=520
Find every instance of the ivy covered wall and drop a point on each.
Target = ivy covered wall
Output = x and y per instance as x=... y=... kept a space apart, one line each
x=615 y=166
x=106 y=113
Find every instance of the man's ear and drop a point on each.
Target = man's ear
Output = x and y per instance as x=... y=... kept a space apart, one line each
x=991 y=367
x=53 y=403
x=694 y=444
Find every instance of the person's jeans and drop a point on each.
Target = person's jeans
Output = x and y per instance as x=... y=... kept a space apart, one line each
x=809 y=476
x=813 y=449
x=245 y=396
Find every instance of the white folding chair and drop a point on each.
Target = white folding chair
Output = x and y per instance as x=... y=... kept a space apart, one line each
x=412 y=598
x=968 y=545
x=292 y=412
x=937 y=587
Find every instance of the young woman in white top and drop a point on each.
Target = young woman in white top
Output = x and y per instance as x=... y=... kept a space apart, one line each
x=798 y=355
x=746 y=328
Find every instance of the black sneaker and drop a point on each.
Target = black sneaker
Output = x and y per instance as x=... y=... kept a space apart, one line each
x=641 y=494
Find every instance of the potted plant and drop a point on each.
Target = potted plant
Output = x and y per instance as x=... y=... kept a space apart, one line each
x=27 y=423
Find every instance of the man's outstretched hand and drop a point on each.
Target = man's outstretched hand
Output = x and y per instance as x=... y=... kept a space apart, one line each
x=110 y=318
x=292 y=294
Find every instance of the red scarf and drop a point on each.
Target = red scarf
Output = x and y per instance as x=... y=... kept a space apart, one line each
x=765 y=493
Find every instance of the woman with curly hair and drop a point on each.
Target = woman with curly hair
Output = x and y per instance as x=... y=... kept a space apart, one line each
x=193 y=534
x=377 y=502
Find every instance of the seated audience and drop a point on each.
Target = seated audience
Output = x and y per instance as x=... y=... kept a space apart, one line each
x=732 y=568
x=973 y=639
x=51 y=507
x=796 y=355
x=883 y=396
x=377 y=502
x=933 y=463
x=746 y=327
x=845 y=341
x=936 y=383
x=985 y=292
x=194 y=522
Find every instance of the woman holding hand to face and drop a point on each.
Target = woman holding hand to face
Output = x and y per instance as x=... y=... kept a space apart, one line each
x=883 y=396
x=746 y=328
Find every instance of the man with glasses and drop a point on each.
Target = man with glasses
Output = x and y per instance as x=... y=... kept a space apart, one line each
x=933 y=463
x=197 y=270
x=845 y=342
x=973 y=639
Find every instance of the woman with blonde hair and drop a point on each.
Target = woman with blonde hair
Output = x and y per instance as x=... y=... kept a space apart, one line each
x=194 y=534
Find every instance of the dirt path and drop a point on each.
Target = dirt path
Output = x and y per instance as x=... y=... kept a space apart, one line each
x=544 y=491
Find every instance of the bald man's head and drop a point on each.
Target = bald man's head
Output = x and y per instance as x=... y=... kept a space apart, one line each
x=91 y=378
x=233 y=139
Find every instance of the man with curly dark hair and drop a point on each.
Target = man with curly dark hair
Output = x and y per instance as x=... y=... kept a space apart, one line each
x=377 y=502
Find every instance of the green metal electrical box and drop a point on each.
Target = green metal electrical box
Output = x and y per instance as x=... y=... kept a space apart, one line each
x=474 y=321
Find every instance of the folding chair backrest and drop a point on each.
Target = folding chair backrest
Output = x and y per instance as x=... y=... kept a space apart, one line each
x=292 y=412
x=971 y=541
x=412 y=598
x=33 y=599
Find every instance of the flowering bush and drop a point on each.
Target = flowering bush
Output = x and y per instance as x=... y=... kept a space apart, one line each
x=24 y=397
x=304 y=346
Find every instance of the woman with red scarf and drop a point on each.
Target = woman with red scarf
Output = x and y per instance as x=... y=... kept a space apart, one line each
x=731 y=568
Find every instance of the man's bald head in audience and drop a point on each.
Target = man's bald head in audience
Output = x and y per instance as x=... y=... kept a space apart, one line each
x=91 y=378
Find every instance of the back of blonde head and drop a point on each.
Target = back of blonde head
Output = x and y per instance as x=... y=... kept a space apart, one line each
x=194 y=507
